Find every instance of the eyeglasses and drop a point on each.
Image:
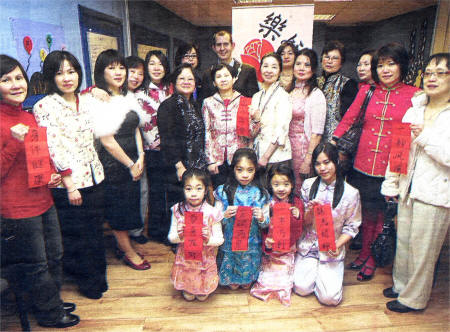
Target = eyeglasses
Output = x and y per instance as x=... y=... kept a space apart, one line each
x=437 y=74
x=332 y=58
x=190 y=56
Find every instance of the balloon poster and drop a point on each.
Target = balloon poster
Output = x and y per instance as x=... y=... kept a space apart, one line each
x=261 y=29
x=34 y=40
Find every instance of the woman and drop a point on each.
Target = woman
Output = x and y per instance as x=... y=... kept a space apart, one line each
x=80 y=198
x=339 y=90
x=309 y=110
x=29 y=224
x=272 y=110
x=182 y=131
x=386 y=108
x=288 y=52
x=189 y=53
x=363 y=68
x=155 y=89
x=220 y=113
x=135 y=67
x=121 y=153
x=424 y=192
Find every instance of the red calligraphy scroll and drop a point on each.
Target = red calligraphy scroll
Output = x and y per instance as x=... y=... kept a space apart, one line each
x=193 y=241
x=241 y=228
x=38 y=157
x=242 y=117
x=401 y=142
x=325 y=227
x=281 y=223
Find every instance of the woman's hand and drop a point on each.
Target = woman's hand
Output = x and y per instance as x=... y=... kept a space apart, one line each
x=19 y=131
x=136 y=171
x=309 y=213
x=295 y=212
x=258 y=214
x=74 y=197
x=213 y=168
x=255 y=114
x=100 y=94
x=263 y=161
x=416 y=129
x=334 y=253
x=230 y=212
x=55 y=180
x=391 y=198
x=305 y=167
x=205 y=233
x=180 y=170
x=269 y=242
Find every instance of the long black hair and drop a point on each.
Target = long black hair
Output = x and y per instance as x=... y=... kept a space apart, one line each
x=397 y=53
x=232 y=183
x=311 y=83
x=164 y=62
x=286 y=170
x=105 y=59
x=202 y=176
x=333 y=155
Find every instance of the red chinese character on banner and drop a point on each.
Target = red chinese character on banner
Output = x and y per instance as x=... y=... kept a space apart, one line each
x=401 y=142
x=281 y=224
x=325 y=227
x=193 y=241
x=241 y=228
x=242 y=117
x=38 y=158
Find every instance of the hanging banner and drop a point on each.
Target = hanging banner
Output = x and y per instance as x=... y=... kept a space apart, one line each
x=401 y=142
x=193 y=241
x=261 y=29
x=281 y=221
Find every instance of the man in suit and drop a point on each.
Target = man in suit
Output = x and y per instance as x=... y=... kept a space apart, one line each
x=246 y=82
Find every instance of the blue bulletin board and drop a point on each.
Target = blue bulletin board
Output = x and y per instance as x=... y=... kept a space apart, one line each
x=34 y=40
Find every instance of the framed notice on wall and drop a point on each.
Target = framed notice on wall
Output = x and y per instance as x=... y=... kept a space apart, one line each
x=143 y=49
x=97 y=43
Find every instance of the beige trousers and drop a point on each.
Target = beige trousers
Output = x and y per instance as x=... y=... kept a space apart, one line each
x=421 y=230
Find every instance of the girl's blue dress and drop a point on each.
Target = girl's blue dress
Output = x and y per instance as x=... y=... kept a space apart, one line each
x=242 y=267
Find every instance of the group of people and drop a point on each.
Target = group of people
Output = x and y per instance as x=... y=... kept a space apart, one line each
x=213 y=143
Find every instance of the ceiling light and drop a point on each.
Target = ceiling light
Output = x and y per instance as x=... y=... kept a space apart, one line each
x=328 y=17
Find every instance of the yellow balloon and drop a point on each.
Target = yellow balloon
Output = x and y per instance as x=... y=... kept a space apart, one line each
x=43 y=54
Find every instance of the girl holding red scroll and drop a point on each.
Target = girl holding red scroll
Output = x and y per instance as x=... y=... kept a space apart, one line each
x=316 y=269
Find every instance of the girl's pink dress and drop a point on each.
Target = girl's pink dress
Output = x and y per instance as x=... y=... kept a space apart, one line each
x=195 y=277
x=276 y=276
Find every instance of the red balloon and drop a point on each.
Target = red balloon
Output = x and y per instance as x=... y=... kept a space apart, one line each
x=27 y=44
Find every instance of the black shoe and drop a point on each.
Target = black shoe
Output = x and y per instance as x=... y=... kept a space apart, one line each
x=141 y=239
x=398 y=307
x=66 y=320
x=69 y=306
x=118 y=253
x=389 y=293
x=91 y=293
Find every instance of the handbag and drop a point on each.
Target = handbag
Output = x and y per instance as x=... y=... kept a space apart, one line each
x=383 y=248
x=348 y=143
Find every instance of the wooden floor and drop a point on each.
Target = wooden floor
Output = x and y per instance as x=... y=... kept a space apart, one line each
x=146 y=301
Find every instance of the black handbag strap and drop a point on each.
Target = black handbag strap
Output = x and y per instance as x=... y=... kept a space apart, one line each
x=362 y=111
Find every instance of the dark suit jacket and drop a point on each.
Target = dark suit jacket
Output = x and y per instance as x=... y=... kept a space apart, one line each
x=246 y=84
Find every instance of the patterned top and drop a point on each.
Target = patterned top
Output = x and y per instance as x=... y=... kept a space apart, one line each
x=70 y=138
x=275 y=119
x=222 y=141
x=346 y=217
x=150 y=102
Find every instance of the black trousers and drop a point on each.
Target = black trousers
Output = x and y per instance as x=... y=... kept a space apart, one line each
x=82 y=233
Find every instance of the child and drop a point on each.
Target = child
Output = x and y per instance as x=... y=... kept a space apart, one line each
x=317 y=271
x=276 y=277
x=241 y=268
x=197 y=279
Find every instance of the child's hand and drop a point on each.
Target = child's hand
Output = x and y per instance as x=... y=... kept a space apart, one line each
x=230 y=212
x=180 y=230
x=334 y=253
x=258 y=214
x=269 y=241
x=205 y=233
x=295 y=212
x=309 y=213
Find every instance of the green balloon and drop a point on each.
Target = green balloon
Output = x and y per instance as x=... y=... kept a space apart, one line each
x=49 y=40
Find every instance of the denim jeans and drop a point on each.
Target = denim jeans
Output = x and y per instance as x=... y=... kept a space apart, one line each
x=31 y=255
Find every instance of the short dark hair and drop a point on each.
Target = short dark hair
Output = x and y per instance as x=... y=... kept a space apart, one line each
x=185 y=49
x=397 y=53
x=221 y=33
x=220 y=66
x=438 y=57
x=165 y=63
x=334 y=45
x=52 y=64
x=177 y=71
x=311 y=84
x=8 y=64
x=273 y=55
x=282 y=169
x=287 y=44
x=370 y=52
x=104 y=59
x=37 y=84
x=133 y=61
